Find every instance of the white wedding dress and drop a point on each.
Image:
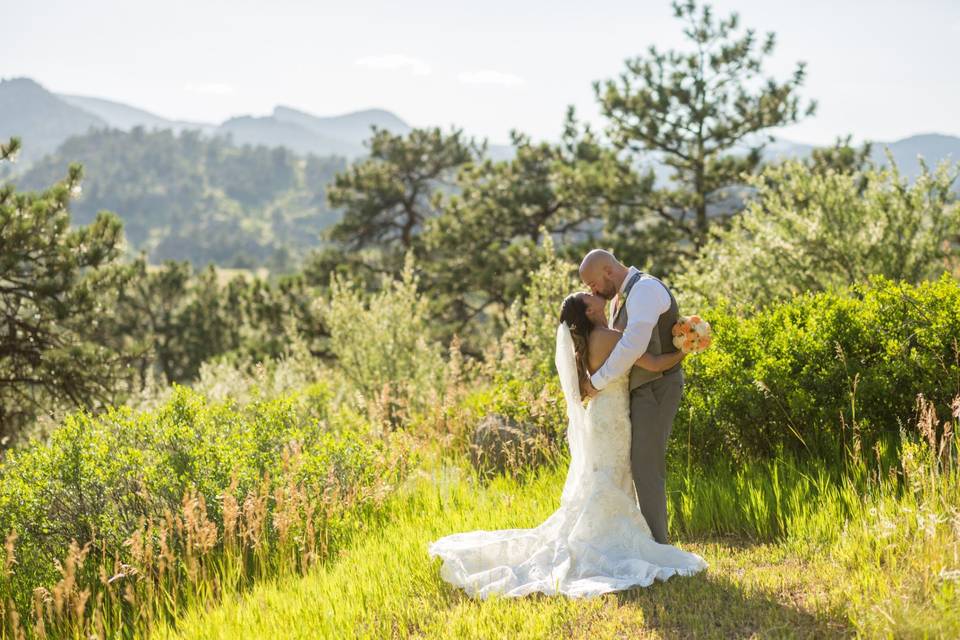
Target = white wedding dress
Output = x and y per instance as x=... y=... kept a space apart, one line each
x=598 y=540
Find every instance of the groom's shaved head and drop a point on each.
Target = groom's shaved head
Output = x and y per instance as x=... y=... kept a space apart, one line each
x=598 y=258
x=602 y=272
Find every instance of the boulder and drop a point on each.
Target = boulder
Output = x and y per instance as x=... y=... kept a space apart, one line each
x=500 y=444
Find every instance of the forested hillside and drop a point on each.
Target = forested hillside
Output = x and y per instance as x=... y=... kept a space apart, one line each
x=200 y=199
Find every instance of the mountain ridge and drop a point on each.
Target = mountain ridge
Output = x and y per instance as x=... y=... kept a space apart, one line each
x=123 y=116
x=44 y=120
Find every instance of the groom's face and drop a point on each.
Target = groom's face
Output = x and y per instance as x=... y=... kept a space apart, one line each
x=600 y=283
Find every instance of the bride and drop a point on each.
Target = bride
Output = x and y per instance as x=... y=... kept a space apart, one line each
x=598 y=540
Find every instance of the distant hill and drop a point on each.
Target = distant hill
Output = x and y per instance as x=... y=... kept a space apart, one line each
x=124 y=117
x=781 y=149
x=271 y=132
x=197 y=198
x=40 y=118
x=44 y=120
x=306 y=133
x=933 y=147
x=350 y=126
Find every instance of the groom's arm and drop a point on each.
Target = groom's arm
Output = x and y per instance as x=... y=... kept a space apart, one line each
x=647 y=300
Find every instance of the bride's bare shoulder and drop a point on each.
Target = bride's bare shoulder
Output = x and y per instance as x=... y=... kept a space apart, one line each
x=602 y=342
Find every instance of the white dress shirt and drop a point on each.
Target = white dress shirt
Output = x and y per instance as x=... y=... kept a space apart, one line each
x=648 y=299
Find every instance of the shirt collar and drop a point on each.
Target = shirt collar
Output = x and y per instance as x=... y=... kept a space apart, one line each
x=626 y=278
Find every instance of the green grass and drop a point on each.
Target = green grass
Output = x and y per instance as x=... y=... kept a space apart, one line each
x=387 y=586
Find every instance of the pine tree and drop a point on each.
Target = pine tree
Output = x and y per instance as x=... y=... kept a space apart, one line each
x=488 y=241
x=57 y=284
x=693 y=110
x=387 y=198
x=9 y=150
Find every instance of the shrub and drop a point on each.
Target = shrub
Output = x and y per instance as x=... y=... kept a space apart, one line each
x=383 y=344
x=824 y=372
x=526 y=349
x=813 y=231
x=301 y=472
x=523 y=388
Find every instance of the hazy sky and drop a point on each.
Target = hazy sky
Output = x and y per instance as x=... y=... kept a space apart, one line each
x=879 y=69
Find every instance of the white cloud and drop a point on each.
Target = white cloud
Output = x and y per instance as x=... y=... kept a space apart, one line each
x=395 y=62
x=210 y=89
x=488 y=76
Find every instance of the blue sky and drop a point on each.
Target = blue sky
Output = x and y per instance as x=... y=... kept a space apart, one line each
x=879 y=69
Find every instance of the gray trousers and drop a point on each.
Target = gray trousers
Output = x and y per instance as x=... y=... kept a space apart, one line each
x=652 y=409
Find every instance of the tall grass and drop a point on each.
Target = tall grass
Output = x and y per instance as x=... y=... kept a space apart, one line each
x=881 y=546
x=129 y=519
x=795 y=551
x=185 y=560
x=840 y=567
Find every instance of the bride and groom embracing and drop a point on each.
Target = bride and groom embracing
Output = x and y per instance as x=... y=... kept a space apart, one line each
x=610 y=531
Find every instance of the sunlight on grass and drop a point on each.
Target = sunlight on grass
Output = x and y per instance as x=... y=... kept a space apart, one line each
x=386 y=586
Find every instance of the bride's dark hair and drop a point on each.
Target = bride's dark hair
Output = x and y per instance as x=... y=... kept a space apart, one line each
x=573 y=312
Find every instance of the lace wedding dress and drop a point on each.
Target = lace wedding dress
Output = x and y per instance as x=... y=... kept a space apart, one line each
x=598 y=540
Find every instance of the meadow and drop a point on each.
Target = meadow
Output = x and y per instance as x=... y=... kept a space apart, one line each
x=282 y=499
x=857 y=564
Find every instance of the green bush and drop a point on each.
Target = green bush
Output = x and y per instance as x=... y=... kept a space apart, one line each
x=823 y=373
x=526 y=349
x=384 y=345
x=818 y=230
x=99 y=479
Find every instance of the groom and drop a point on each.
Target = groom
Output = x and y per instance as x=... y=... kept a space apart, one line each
x=645 y=311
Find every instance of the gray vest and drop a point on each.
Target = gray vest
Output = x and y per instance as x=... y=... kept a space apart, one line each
x=661 y=339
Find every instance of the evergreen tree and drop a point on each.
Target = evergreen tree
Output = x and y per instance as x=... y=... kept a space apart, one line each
x=484 y=247
x=184 y=318
x=57 y=290
x=692 y=111
x=387 y=198
x=10 y=149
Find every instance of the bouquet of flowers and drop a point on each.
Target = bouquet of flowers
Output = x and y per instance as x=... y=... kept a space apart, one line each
x=692 y=334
